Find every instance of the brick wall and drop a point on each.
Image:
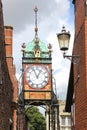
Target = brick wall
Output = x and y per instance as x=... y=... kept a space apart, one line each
x=8 y=31
x=79 y=14
x=6 y=87
x=8 y=81
x=80 y=48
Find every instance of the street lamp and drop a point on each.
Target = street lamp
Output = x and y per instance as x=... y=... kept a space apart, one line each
x=64 y=39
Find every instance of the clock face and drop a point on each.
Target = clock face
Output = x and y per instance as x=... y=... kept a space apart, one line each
x=37 y=76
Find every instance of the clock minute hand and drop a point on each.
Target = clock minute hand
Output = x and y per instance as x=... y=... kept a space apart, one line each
x=35 y=73
x=39 y=73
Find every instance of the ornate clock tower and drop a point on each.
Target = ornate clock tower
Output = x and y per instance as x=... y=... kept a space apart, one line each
x=37 y=70
x=37 y=83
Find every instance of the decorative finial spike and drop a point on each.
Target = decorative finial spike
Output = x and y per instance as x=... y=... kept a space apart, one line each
x=35 y=9
x=63 y=29
x=36 y=28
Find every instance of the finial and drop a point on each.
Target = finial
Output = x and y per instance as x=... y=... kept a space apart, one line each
x=35 y=9
x=23 y=46
x=49 y=46
x=36 y=28
x=50 y=49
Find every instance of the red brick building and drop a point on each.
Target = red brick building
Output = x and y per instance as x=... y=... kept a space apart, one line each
x=8 y=31
x=77 y=89
x=8 y=81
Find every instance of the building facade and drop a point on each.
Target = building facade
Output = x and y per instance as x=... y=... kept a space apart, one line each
x=64 y=117
x=8 y=32
x=8 y=82
x=6 y=86
x=77 y=98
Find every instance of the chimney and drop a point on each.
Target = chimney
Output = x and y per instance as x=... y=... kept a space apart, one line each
x=8 y=30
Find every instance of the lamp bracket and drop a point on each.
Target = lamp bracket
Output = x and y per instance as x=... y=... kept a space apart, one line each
x=73 y=58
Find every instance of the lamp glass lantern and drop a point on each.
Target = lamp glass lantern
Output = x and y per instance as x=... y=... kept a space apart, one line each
x=63 y=39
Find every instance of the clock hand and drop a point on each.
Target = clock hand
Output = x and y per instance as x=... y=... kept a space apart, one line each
x=39 y=73
x=35 y=73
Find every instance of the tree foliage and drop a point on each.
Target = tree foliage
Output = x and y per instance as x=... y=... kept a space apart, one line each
x=36 y=120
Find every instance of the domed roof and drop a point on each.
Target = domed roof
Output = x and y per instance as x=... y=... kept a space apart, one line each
x=40 y=47
x=31 y=45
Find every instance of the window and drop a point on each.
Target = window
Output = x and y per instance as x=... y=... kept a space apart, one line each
x=69 y=121
x=63 y=122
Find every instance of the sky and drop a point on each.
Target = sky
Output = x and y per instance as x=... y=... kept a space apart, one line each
x=52 y=15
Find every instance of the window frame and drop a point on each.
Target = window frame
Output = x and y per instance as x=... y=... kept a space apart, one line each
x=63 y=120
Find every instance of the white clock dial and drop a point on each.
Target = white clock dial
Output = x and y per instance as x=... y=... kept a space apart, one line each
x=37 y=76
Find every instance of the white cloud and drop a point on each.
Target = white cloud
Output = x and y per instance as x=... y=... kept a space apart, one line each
x=62 y=75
